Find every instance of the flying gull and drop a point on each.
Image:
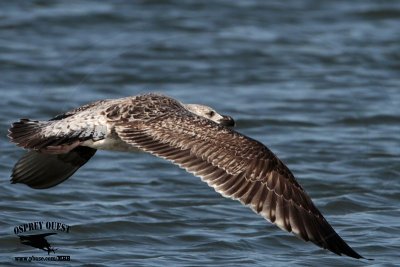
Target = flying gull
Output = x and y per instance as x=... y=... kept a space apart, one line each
x=195 y=137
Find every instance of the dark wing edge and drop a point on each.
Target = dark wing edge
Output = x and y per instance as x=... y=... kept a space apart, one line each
x=237 y=167
x=41 y=171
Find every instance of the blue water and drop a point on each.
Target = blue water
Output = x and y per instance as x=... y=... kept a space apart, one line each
x=316 y=81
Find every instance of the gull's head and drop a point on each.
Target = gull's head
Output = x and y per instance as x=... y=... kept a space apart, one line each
x=210 y=114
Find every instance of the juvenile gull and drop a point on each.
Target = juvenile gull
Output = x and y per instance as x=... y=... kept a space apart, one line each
x=195 y=137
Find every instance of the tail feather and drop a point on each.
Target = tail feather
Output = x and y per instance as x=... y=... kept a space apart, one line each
x=59 y=136
x=29 y=134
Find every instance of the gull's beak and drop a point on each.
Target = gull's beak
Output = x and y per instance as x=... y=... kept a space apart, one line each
x=227 y=121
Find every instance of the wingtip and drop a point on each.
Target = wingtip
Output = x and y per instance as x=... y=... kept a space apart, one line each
x=350 y=252
x=361 y=258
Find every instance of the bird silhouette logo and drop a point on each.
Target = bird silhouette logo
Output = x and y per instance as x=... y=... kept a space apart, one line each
x=38 y=241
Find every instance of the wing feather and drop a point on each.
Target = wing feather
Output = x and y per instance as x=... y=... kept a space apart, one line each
x=238 y=167
x=39 y=170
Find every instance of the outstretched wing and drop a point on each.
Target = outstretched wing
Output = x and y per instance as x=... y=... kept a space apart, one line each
x=238 y=167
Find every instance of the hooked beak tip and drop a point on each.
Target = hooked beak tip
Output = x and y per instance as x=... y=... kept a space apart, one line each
x=227 y=121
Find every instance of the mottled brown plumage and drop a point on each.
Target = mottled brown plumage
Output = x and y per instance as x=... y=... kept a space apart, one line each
x=233 y=164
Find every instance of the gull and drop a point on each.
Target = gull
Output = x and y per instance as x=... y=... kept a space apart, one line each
x=194 y=137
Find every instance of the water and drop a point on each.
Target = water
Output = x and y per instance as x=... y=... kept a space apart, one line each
x=316 y=81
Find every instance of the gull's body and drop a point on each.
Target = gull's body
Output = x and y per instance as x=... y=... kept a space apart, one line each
x=194 y=137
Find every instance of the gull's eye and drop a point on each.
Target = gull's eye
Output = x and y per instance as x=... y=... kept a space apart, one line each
x=211 y=113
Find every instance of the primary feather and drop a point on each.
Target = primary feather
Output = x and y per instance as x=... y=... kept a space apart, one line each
x=194 y=137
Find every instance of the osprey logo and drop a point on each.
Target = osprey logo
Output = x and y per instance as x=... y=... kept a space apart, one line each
x=36 y=235
x=38 y=241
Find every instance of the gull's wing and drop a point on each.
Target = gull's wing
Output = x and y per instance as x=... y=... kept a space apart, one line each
x=238 y=167
x=40 y=170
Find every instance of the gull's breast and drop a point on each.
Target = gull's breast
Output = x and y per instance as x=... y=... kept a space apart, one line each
x=112 y=143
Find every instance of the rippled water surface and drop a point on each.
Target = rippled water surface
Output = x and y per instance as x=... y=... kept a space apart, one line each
x=316 y=81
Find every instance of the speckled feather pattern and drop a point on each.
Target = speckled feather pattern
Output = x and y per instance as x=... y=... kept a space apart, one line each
x=233 y=164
